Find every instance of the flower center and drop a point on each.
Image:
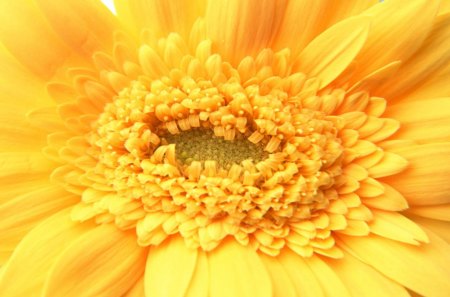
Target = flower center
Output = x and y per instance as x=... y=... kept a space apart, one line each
x=202 y=145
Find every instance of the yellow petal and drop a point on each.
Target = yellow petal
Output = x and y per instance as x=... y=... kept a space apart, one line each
x=102 y=262
x=160 y=16
x=281 y=283
x=332 y=51
x=435 y=86
x=425 y=182
x=198 y=287
x=25 y=33
x=395 y=226
x=440 y=228
x=424 y=121
x=390 y=164
x=367 y=282
x=329 y=281
x=237 y=270
x=401 y=25
x=241 y=28
x=170 y=267
x=19 y=214
x=423 y=268
x=85 y=26
x=437 y=212
x=389 y=200
x=22 y=164
x=304 y=280
x=432 y=57
x=24 y=274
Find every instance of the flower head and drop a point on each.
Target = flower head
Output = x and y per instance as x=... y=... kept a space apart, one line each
x=224 y=148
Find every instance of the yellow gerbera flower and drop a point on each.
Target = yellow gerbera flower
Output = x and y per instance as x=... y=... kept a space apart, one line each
x=224 y=148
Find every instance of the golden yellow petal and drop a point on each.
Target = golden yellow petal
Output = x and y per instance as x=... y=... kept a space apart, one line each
x=401 y=25
x=331 y=52
x=169 y=269
x=436 y=212
x=241 y=28
x=105 y=267
x=421 y=268
x=395 y=226
x=429 y=60
x=424 y=121
x=237 y=270
x=281 y=282
x=363 y=281
x=137 y=290
x=427 y=170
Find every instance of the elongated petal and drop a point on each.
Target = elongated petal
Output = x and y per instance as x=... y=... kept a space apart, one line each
x=422 y=269
x=160 y=16
x=85 y=26
x=428 y=169
x=25 y=33
x=169 y=268
x=103 y=262
x=329 y=281
x=395 y=226
x=401 y=25
x=424 y=121
x=281 y=282
x=367 y=282
x=137 y=290
x=241 y=28
x=304 y=280
x=429 y=59
x=237 y=270
x=436 y=212
x=26 y=271
x=332 y=51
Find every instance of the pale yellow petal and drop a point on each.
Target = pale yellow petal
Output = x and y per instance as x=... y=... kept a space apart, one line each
x=237 y=270
x=363 y=281
x=425 y=181
x=423 y=269
x=86 y=26
x=170 y=267
x=26 y=271
x=25 y=33
x=103 y=262
x=331 y=52
x=198 y=286
x=424 y=121
x=160 y=17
